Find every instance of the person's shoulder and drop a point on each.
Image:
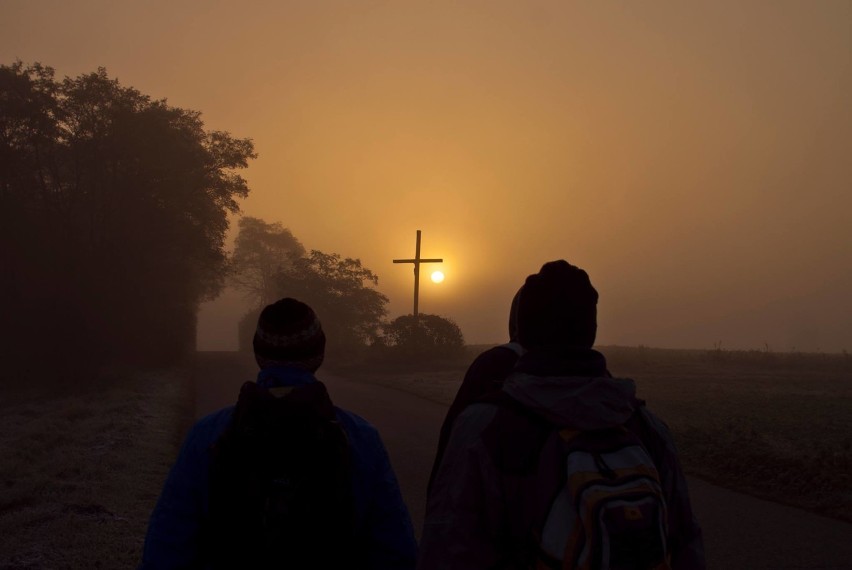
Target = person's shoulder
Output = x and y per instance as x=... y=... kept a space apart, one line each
x=210 y=427
x=473 y=421
x=496 y=362
x=508 y=351
x=355 y=426
x=365 y=442
x=214 y=419
x=481 y=412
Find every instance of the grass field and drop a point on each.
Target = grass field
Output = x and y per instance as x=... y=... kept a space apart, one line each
x=775 y=425
x=82 y=467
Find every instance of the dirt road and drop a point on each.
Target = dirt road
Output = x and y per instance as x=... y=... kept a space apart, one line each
x=740 y=532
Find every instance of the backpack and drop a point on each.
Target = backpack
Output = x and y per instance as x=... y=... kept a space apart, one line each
x=610 y=512
x=588 y=500
x=281 y=484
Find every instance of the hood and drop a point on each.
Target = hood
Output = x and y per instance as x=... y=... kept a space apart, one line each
x=513 y=317
x=577 y=402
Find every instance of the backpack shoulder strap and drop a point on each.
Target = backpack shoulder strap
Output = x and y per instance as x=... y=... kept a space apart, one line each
x=519 y=443
x=515 y=437
x=650 y=439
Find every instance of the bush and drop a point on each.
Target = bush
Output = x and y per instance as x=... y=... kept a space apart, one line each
x=423 y=336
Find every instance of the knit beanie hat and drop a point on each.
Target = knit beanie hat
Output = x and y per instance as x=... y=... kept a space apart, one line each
x=557 y=308
x=289 y=332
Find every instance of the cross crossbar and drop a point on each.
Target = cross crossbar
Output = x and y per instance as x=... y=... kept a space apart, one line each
x=418 y=260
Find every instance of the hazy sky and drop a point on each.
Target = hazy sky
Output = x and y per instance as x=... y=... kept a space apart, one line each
x=694 y=158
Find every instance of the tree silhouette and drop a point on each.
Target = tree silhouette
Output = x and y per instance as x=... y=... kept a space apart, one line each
x=113 y=213
x=262 y=250
x=269 y=263
x=341 y=292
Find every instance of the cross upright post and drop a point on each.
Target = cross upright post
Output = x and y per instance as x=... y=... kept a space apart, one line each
x=417 y=261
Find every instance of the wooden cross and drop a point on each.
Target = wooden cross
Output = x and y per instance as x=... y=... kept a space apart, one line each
x=417 y=261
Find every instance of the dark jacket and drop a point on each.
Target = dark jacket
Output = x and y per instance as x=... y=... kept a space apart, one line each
x=485 y=375
x=471 y=509
x=383 y=526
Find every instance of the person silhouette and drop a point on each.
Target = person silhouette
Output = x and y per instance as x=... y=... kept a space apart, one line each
x=511 y=460
x=283 y=478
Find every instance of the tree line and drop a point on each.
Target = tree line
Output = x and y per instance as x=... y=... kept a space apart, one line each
x=113 y=215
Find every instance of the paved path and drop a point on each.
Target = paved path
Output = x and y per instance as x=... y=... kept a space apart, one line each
x=740 y=532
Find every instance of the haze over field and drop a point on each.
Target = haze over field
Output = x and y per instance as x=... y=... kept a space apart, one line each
x=695 y=159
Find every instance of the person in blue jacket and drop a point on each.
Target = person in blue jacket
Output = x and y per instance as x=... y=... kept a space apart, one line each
x=289 y=346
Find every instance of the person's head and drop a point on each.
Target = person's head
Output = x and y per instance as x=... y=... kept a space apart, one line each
x=557 y=308
x=289 y=333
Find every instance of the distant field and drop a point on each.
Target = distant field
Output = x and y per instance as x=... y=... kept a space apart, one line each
x=81 y=468
x=775 y=425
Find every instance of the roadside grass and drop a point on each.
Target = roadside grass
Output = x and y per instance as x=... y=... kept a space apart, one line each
x=82 y=467
x=774 y=425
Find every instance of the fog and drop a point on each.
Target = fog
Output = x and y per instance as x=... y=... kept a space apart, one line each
x=694 y=159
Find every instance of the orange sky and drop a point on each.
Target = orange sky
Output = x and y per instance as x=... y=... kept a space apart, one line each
x=695 y=159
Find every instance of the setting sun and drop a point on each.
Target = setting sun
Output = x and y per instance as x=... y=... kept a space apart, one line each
x=437 y=277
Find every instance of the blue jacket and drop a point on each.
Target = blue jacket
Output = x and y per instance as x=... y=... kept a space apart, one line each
x=382 y=520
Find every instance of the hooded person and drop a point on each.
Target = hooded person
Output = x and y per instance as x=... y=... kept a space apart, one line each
x=206 y=514
x=490 y=497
